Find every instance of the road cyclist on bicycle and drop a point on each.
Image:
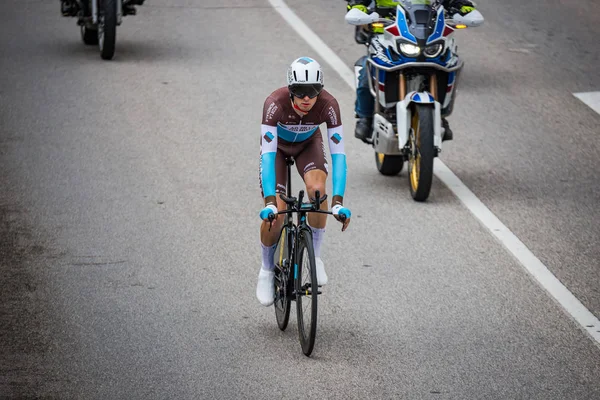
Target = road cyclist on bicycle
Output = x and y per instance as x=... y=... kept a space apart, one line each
x=290 y=128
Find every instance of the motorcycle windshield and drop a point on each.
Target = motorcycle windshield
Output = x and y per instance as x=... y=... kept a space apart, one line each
x=420 y=20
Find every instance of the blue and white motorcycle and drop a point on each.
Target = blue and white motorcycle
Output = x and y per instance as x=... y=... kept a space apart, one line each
x=412 y=70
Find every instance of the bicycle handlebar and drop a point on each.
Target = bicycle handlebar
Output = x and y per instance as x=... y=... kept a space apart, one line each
x=297 y=205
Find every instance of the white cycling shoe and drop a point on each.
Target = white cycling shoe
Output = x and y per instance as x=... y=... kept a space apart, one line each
x=321 y=275
x=265 y=289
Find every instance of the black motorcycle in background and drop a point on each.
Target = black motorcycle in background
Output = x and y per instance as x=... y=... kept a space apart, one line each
x=98 y=20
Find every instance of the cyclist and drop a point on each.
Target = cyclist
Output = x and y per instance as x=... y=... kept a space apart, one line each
x=290 y=127
x=365 y=103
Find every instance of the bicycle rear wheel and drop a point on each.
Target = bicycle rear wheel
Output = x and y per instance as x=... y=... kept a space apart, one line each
x=307 y=291
x=283 y=280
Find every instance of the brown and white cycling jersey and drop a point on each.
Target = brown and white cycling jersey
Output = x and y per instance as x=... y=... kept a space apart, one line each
x=282 y=128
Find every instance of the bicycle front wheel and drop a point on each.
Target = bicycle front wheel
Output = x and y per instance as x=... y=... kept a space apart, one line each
x=307 y=291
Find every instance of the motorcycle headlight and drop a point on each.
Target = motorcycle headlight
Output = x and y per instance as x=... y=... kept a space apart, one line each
x=433 y=50
x=409 y=50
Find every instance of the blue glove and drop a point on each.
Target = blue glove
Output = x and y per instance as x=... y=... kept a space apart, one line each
x=267 y=211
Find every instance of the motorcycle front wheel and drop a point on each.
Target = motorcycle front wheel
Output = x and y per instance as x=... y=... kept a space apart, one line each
x=422 y=152
x=107 y=28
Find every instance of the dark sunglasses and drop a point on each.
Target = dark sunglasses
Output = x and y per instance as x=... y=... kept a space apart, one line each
x=301 y=91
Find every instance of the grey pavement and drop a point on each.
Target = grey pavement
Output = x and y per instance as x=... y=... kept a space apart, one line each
x=129 y=230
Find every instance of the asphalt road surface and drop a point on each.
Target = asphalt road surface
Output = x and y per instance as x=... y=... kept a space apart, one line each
x=129 y=199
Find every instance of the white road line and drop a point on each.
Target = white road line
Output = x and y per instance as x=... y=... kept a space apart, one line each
x=588 y=322
x=592 y=99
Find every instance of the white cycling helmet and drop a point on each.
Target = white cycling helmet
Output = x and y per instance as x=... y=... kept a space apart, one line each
x=305 y=78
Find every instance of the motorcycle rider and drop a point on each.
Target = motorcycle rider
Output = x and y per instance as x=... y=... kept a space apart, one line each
x=365 y=103
x=70 y=8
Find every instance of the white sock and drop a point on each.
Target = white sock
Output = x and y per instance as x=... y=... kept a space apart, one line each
x=267 y=256
x=318 y=234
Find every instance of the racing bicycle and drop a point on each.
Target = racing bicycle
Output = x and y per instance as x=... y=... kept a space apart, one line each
x=295 y=266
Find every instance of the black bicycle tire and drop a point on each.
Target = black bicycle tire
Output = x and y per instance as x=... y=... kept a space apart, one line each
x=307 y=339
x=282 y=312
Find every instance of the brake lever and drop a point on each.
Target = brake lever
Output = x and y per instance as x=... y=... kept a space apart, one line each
x=271 y=218
x=343 y=221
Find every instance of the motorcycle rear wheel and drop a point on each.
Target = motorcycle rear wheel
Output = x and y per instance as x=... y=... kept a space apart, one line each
x=89 y=36
x=389 y=165
x=107 y=28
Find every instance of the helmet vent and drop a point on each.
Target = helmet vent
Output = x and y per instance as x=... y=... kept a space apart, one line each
x=306 y=75
x=318 y=76
x=295 y=77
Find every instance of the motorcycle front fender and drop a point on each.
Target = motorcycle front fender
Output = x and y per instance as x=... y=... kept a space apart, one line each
x=95 y=11
x=404 y=116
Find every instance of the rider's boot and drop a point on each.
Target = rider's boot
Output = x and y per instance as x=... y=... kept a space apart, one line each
x=129 y=6
x=364 y=129
x=68 y=8
x=447 y=131
x=129 y=9
x=265 y=289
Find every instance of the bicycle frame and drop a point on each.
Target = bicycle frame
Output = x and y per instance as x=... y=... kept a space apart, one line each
x=296 y=206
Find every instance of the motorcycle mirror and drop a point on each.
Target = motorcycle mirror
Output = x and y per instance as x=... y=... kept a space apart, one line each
x=472 y=19
x=357 y=17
